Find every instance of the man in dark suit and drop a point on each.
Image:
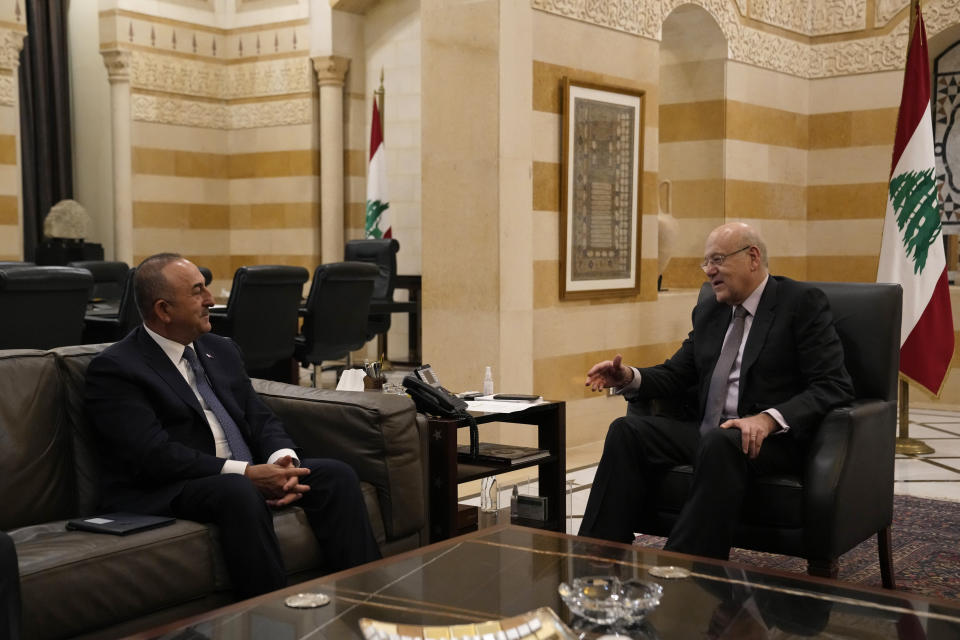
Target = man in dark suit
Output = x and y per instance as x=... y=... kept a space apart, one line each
x=765 y=364
x=183 y=433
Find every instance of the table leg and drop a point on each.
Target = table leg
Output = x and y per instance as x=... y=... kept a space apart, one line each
x=551 y=435
x=443 y=478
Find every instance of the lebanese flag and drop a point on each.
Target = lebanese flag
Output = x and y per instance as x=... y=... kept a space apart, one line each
x=912 y=250
x=378 y=219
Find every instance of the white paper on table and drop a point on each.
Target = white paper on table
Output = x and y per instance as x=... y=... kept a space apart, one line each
x=351 y=380
x=499 y=406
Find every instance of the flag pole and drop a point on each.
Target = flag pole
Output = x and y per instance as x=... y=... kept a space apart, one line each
x=905 y=444
x=380 y=95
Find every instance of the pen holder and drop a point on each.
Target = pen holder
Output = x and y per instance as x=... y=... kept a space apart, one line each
x=373 y=384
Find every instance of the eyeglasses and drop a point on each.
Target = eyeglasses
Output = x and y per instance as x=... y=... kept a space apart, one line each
x=718 y=259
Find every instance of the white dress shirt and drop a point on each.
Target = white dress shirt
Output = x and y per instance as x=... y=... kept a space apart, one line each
x=733 y=383
x=174 y=351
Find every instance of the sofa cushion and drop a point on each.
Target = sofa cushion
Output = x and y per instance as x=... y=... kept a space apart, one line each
x=73 y=362
x=36 y=451
x=75 y=581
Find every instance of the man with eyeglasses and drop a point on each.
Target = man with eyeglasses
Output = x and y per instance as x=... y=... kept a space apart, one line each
x=765 y=365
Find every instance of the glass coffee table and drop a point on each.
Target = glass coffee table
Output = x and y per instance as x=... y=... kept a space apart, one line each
x=508 y=571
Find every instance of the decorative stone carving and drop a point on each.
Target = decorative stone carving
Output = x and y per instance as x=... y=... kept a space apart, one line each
x=168 y=110
x=838 y=16
x=10 y=47
x=762 y=48
x=939 y=15
x=886 y=9
x=220 y=115
x=331 y=70
x=789 y=14
x=269 y=114
x=117 y=62
x=8 y=95
x=158 y=72
x=819 y=17
x=860 y=56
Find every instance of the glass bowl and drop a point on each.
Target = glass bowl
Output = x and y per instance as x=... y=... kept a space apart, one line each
x=610 y=601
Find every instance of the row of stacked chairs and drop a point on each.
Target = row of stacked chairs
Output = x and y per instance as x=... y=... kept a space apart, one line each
x=47 y=307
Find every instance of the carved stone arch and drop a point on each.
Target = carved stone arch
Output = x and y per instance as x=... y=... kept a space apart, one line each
x=724 y=12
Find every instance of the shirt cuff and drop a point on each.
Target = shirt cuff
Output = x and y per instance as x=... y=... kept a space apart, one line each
x=778 y=418
x=234 y=466
x=279 y=453
x=631 y=387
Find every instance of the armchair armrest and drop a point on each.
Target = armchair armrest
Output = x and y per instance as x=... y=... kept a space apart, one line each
x=850 y=467
x=378 y=434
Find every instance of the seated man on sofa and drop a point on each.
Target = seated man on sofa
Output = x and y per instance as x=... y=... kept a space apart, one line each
x=761 y=397
x=181 y=432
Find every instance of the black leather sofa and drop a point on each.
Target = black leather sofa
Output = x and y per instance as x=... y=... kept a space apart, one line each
x=77 y=584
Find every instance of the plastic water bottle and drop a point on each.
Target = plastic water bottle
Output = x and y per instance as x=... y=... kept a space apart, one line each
x=489 y=494
x=488 y=382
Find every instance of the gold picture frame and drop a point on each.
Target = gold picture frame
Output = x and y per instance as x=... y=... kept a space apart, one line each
x=601 y=190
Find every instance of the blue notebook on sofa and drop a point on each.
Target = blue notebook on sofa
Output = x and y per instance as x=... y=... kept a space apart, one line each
x=119 y=524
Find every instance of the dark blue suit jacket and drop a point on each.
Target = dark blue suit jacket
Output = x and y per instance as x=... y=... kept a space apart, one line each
x=152 y=432
x=793 y=359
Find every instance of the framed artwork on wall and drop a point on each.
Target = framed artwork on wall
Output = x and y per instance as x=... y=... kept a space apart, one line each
x=601 y=189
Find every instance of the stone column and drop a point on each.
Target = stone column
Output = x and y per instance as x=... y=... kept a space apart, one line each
x=118 y=71
x=331 y=71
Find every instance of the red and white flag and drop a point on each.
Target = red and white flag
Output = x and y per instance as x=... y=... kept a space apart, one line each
x=378 y=220
x=912 y=250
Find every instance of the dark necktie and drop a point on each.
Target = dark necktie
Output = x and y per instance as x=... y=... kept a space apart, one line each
x=717 y=394
x=238 y=446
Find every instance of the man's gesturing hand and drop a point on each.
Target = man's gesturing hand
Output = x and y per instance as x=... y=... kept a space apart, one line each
x=279 y=481
x=753 y=429
x=609 y=373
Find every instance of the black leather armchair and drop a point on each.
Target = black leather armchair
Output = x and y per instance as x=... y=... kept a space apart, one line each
x=335 y=318
x=261 y=313
x=43 y=306
x=110 y=328
x=382 y=253
x=108 y=277
x=845 y=494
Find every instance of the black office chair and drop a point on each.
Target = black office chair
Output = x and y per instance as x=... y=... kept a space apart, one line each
x=845 y=494
x=262 y=315
x=335 y=318
x=382 y=253
x=110 y=328
x=207 y=276
x=108 y=277
x=43 y=306
x=14 y=264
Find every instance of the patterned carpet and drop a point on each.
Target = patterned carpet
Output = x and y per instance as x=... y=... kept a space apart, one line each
x=926 y=550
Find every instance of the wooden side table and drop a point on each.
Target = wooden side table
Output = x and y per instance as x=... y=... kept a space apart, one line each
x=446 y=472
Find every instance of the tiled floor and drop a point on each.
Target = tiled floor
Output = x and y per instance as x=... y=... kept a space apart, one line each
x=935 y=475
